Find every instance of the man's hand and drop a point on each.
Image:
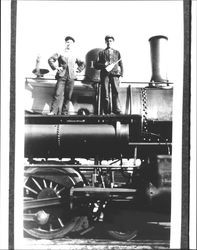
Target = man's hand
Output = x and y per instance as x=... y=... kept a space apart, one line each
x=120 y=78
x=59 y=69
x=106 y=64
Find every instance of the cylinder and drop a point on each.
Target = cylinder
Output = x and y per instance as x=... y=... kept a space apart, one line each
x=92 y=74
x=79 y=140
x=158 y=50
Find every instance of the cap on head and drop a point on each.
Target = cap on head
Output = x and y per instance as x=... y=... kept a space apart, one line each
x=109 y=37
x=69 y=38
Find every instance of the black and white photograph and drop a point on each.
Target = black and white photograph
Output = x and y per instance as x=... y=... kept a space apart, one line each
x=95 y=125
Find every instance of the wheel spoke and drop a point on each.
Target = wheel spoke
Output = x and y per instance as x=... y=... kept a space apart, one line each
x=45 y=185
x=31 y=190
x=61 y=223
x=55 y=188
x=37 y=184
x=59 y=191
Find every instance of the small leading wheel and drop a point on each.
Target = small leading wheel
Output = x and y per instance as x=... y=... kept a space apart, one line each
x=123 y=235
x=119 y=224
x=47 y=213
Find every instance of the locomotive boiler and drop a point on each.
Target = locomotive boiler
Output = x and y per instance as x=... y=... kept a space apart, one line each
x=86 y=168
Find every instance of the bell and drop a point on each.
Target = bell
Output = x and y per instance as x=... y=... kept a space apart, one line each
x=158 y=49
x=38 y=71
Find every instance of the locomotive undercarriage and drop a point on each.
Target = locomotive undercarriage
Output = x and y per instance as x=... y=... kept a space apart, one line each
x=68 y=195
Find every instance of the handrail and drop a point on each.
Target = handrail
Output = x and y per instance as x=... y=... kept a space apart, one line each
x=78 y=80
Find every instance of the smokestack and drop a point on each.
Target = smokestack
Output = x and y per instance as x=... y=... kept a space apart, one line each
x=158 y=50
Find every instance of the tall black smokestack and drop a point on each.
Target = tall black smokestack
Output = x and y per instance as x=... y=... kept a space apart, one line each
x=158 y=50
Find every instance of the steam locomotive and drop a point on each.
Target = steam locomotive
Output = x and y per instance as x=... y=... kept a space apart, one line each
x=87 y=168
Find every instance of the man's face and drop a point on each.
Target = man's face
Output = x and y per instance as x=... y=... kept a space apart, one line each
x=69 y=44
x=109 y=42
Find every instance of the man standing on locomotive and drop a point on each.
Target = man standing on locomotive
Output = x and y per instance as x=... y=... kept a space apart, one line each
x=110 y=63
x=65 y=76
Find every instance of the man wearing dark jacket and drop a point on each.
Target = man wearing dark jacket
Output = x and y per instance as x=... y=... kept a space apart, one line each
x=110 y=63
x=65 y=76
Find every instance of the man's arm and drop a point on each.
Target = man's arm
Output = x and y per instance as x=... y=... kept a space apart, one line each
x=121 y=65
x=81 y=65
x=52 y=61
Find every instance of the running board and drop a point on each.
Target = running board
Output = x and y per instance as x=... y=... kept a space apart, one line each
x=95 y=192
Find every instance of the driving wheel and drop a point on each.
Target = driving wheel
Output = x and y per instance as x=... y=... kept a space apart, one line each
x=47 y=212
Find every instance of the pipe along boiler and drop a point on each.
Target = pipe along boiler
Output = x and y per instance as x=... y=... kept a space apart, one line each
x=90 y=168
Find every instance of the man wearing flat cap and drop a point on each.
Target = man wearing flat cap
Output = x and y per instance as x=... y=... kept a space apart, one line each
x=110 y=64
x=64 y=63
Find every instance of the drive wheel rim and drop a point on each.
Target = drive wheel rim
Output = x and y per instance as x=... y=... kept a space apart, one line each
x=51 y=221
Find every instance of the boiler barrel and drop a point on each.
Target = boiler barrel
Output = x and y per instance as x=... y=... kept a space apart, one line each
x=67 y=140
x=132 y=98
